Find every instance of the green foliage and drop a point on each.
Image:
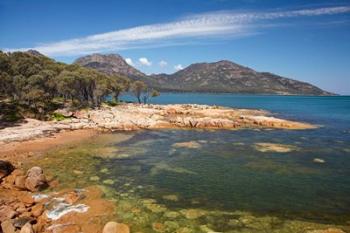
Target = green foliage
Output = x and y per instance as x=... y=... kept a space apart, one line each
x=142 y=92
x=58 y=117
x=37 y=82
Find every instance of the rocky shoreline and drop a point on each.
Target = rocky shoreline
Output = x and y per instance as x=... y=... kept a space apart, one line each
x=25 y=206
x=28 y=204
x=134 y=117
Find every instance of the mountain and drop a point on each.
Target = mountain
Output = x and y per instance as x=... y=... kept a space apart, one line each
x=222 y=77
x=109 y=64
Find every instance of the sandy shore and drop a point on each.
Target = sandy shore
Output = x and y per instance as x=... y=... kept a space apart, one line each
x=18 y=151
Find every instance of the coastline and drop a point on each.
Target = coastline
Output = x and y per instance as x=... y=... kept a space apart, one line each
x=126 y=117
x=34 y=138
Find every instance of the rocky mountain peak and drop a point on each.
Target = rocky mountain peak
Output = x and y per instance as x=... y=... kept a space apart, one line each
x=112 y=64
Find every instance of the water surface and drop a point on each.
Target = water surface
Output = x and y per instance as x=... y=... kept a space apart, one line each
x=221 y=180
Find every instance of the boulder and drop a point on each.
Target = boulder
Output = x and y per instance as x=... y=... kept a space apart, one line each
x=20 y=182
x=26 y=198
x=114 y=227
x=6 y=212
x=5 y=168
x=22 y=221
x=37 y=210
x=7 y=227
x=27 y=228
x=36 y=179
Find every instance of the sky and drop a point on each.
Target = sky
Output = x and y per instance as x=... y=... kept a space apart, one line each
x=302 y=39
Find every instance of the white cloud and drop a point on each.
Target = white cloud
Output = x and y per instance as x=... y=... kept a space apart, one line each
x=178 y=67
x=163 y=63
x=144 y=61
x=129 y=61
x=215 y=24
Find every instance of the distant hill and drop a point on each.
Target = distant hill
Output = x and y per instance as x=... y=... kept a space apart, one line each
x=222 y=77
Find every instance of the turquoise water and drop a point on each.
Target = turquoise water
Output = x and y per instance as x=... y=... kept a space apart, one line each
x=225 y=170
x=252 y=180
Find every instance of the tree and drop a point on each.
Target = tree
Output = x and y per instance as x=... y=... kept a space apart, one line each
x=149 y=93
x=137 y=88
x=37 y=83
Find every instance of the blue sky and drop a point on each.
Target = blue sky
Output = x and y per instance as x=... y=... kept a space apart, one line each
x=305 y=40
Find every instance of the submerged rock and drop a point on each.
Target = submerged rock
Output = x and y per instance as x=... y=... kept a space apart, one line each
x=318 y=160
x=171 y=197
x=193 y=213
x=190 y=145
x=274 y=147
x=158 y=227
x=114 y=227
x=171 y=214
x=328 y=230
x=108 y=181
x=94 y=178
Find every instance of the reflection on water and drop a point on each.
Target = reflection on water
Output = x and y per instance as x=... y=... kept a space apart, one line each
x=215 y=181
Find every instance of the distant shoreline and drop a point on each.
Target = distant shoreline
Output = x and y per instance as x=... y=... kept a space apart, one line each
x=126 y=117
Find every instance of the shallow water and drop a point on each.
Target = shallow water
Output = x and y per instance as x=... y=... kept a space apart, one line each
x=223 y=181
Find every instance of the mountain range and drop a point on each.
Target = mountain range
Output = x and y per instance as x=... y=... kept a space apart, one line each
x=221 y=77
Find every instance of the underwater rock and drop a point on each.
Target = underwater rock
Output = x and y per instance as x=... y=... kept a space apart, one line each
x=162 y=166
x=158 y=227
x=155 y=208
x=274 y=147
x=94 y=178
x=171 y=197
x=190 y=145
x=318 y=160
x=104 y=170
x=206 y=229
x=329 y=230
x=184 y=230
x=171 y=214
x=171 y=226
x=108 y=181
x=5 y=168
x=36 y=179
x=78 y=172
x=193 y=213
x=114 y=227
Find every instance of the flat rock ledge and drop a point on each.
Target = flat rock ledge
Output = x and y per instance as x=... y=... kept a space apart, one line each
x=135 y=116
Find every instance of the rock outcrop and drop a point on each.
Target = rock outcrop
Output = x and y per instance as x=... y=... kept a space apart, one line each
x=135 y=116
